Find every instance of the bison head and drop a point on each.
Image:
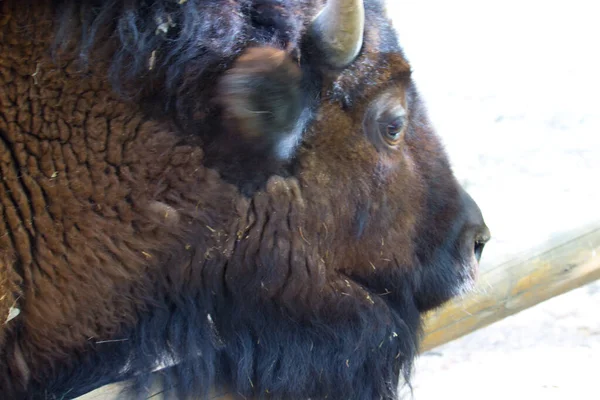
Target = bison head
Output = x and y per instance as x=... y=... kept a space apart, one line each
x=281 y=211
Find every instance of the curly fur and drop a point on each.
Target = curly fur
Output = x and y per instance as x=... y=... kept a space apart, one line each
x=146 y=220
x=170 y=52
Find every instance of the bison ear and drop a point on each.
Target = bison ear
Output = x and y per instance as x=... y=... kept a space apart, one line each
x=262 y=101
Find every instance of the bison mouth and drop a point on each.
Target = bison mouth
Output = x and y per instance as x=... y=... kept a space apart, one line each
x=424 y=286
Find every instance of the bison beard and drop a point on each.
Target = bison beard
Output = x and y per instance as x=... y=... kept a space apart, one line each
x=279 y=220
x=254 y=349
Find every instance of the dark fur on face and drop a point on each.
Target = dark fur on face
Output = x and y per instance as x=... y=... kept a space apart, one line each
x=188 y=183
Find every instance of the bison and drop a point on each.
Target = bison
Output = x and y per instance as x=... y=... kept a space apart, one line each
x=244 y=195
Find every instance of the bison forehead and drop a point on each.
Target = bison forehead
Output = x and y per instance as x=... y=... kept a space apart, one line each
x=380 y=62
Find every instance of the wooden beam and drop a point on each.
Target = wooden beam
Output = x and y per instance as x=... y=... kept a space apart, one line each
x=511 y=287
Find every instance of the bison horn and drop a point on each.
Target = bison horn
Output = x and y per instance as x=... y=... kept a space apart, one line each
x=338 y=31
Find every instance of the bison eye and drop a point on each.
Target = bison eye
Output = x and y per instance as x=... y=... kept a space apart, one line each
x=393 y=130
x=386 y=121
x=392 y=125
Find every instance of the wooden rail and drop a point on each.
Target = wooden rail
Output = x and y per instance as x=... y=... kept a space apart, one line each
x=514 y=286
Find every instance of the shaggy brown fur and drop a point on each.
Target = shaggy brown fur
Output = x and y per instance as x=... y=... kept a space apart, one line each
x=107 y=210
x=81 y=170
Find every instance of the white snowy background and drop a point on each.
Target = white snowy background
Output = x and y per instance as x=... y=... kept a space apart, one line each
x=513 y=88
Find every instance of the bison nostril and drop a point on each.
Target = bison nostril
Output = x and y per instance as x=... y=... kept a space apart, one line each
x=478 y=249
x=480 y=240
